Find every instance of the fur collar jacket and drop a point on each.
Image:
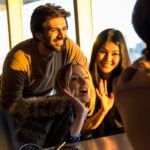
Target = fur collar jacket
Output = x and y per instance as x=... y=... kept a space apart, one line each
x=38 y=107
x=44 y=121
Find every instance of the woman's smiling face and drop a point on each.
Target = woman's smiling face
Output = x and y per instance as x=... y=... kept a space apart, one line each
x=80 y=83
x=108 y=57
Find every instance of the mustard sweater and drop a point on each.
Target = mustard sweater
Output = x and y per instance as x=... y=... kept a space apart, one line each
x=25 y=74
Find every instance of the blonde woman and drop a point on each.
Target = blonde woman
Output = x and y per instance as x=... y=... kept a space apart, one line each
x=74 y=80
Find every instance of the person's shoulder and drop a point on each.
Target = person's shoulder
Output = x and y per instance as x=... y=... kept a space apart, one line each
x=74 y=52
x=140 y=69
x=70 y=41
x=142 y=62
x=23 y=44
x=20 y=54
x=132 y=78
x=70 y=44
x=139 y=60
x=21 y=48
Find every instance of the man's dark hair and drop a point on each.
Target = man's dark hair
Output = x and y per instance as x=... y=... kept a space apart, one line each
x=44 y=12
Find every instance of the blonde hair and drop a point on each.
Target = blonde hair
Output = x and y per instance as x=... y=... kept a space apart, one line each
x=62 y=81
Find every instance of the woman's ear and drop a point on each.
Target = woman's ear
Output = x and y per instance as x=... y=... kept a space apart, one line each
x=39 y=36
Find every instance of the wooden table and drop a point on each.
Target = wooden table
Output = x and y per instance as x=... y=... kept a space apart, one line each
x=115 y=142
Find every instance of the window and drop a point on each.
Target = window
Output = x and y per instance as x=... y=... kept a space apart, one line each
x=4 y=39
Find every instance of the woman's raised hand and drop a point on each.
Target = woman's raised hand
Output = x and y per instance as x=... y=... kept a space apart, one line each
x=102 y=93
x=78 y=105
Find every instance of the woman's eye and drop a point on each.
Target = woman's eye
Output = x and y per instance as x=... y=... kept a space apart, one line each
x=102 y=52
x=114 y=54
x=74 y=78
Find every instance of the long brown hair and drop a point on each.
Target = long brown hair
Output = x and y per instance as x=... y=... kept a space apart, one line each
x=116 y=37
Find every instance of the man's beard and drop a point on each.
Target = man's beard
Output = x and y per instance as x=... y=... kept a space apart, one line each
x=49 y=46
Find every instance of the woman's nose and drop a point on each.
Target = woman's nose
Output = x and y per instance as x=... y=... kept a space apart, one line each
x=82 y=81
x=108 y=57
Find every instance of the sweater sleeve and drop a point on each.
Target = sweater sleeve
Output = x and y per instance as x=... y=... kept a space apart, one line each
x=13 y=78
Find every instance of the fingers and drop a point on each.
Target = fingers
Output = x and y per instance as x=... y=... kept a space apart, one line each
x=78 y=106
x=71 y=96
x=68 y=92
x=101 y=87
x=100 y=90
x=105 y=87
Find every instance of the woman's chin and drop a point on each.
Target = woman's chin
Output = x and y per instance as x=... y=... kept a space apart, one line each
x=84 y=100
